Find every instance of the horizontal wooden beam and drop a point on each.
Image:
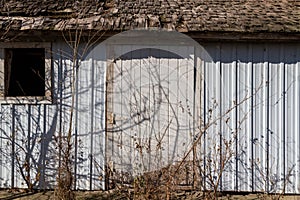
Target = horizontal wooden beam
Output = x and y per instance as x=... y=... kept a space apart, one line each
x=50 y=35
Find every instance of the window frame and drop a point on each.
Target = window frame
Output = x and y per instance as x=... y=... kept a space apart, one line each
x=47 y=98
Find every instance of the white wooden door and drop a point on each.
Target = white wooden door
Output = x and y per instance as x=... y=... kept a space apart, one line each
x=150 y=109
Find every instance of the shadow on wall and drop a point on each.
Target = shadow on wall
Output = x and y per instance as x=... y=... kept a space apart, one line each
x=28 y=157
x=255 y=53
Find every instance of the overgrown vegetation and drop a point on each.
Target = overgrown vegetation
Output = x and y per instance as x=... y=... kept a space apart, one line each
x=79 y=43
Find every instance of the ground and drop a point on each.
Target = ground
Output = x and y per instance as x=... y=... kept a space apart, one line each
x=113 y=194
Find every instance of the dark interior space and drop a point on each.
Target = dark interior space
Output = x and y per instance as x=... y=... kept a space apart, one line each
x=25 y=72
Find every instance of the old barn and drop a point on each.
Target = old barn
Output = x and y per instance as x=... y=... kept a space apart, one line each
x=206 y=90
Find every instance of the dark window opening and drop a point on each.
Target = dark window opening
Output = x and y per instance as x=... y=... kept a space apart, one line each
x=25 y=72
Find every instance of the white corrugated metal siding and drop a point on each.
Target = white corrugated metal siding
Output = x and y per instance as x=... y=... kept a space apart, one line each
x=254 y=89
x=249 y=96
x=90 y=121
x=30 y=133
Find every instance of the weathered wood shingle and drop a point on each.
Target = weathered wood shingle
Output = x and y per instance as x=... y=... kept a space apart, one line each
x=182 y=15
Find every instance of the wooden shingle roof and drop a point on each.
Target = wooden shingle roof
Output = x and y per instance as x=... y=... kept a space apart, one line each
x=246 y=16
